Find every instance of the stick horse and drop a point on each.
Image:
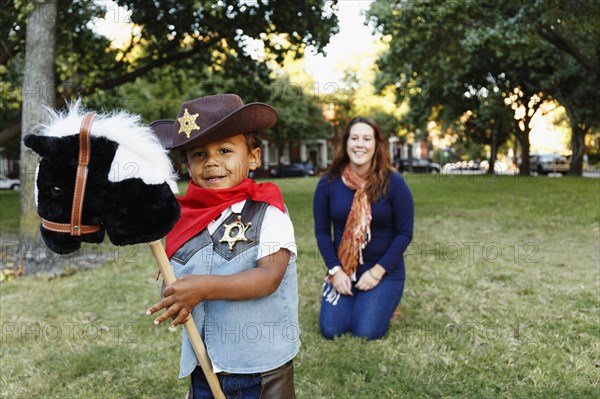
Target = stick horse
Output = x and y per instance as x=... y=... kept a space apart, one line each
x=107 y=173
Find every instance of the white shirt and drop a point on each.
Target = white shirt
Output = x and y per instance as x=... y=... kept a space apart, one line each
x=276 y=232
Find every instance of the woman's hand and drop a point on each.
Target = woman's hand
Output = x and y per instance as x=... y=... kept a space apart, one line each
x=342 y=283
x=370 y=278
x=179 y=299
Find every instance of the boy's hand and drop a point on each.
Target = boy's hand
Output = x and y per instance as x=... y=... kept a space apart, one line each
x=187 y=291
x=179 y=299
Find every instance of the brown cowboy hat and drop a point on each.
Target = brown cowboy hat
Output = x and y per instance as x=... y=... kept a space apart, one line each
x=212 y=118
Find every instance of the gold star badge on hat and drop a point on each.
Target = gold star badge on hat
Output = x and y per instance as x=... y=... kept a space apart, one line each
x=187 y=123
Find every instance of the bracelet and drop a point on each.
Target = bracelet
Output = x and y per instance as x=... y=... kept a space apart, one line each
x=373 y=276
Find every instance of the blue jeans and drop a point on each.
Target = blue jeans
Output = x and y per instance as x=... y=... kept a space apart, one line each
x=274 y=384
x=238 y=386
x=364 y=314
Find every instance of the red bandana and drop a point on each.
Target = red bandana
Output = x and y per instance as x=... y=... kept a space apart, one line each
x=200 y=206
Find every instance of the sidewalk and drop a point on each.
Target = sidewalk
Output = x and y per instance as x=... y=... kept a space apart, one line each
x=591 y=173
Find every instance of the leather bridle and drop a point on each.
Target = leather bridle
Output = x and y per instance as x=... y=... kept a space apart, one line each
x=75 y=228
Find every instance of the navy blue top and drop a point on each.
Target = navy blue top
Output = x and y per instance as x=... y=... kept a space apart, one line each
x=391 y=224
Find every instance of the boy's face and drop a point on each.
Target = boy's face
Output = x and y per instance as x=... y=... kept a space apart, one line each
x=222 y=164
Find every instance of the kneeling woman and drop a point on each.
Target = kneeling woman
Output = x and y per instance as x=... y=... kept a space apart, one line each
x=371 y=210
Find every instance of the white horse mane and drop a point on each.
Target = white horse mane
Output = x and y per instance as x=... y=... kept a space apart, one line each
x=139 y=154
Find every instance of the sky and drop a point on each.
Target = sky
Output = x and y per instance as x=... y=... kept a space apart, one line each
x=353 y=39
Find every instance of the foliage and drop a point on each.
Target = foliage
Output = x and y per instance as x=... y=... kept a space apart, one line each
x=443 y=54
x=567 y=33
x=300 y=114
x=353 y=94
x=159 y=95
x=487 y=121
x=490 y=310
x=189 y=35
x=570 y=26
x=357 y=90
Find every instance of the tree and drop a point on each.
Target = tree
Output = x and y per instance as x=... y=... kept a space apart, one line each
x=571 y=27
x=184 y=33
x=441 y=56
x=438 y=53
x=583 y=117
x=38 y=92
x=488 y=121
x=300 y=115
x=209 y=36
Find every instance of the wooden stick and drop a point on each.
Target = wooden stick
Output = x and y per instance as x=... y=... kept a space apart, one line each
x=190 y=327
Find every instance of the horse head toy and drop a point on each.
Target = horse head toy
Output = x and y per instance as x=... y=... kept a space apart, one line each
x=108 y=173
x=98 y=174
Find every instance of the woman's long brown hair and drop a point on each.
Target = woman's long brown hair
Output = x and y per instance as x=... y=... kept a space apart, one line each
x=381 y=167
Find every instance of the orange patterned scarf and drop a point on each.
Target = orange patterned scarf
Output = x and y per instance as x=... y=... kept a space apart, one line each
x=357 y=232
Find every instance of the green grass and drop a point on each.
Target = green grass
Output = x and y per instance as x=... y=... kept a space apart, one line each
x=501 y=301
x=9 y=212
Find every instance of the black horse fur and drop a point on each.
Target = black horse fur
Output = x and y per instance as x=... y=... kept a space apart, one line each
x=128 y=193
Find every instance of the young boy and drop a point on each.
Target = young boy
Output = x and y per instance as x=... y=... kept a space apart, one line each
x=233 y=252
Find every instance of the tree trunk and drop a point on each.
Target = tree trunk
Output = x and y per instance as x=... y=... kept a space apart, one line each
x=577 y=146
x=577 y=142
x=523 y=139
x=493 y=153
x=531 y=108
x=410 y=158
x=38 y=93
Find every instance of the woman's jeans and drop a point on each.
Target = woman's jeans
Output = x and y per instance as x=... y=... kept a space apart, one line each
x=364 y=314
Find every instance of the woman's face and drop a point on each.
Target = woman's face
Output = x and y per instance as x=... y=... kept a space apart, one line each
x=361 y=147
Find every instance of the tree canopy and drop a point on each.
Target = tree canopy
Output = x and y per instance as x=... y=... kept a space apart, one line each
x=447 y=54
x=196 y=36
x=228 y=42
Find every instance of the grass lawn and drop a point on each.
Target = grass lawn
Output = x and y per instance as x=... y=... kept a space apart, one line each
x=501 y=301
x=9 y=212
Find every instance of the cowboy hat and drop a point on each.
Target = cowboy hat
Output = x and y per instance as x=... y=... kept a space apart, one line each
x=212 y=118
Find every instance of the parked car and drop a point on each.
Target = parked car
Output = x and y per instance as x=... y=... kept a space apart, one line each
x=470 y=165
x=9 y=184
x=418 y=166
x=499 y=167
x=543 y=164
x=297 y=169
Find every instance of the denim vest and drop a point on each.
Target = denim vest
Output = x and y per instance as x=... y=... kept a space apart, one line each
x=242 y=337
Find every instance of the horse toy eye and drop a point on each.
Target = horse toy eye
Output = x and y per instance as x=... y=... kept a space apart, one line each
x=56 y=191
